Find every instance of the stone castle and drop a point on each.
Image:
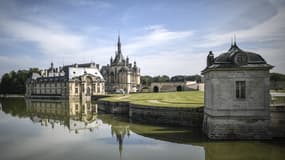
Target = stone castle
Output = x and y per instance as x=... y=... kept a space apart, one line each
x=77 y=81
x=121 y=75
x=82 y=81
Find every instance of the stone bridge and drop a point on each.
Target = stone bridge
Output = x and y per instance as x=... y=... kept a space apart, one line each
x=176 y=86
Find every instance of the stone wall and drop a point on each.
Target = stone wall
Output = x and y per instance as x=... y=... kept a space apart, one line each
x=220 y=128
x=277 y=120
x=113 y=107
x=190 y=117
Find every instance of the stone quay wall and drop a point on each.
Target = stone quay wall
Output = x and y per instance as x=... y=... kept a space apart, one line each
x=193 y=117
x=113 y=107
x=277 y=113
x=173 y=116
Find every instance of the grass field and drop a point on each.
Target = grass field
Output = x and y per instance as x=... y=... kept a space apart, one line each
x=167 y=99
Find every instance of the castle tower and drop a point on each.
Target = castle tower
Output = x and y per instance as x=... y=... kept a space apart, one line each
x=120 y=75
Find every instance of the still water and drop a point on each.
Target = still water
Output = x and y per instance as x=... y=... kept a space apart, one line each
x=44 y=129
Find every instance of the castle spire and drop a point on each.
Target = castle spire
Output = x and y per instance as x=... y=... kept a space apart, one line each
x=235 y=40
x=119 y=44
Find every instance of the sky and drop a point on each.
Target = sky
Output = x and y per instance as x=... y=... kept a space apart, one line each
x=164 y=37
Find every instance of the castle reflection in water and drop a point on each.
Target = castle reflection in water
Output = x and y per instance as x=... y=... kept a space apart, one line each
x=75 y=115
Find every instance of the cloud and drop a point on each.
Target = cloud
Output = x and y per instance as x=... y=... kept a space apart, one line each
x=270 y=30
x=156 y=36
x=176 y=62
x=157 y=48
x=51 y=40
x=90 y=3
x=8 y=64
x=254 y=13
x=275 y=57
x=62 y=46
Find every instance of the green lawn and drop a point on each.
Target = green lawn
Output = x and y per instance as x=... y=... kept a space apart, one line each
x=167 y=99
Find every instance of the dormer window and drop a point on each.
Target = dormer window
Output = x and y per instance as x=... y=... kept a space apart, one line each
x=241 y=59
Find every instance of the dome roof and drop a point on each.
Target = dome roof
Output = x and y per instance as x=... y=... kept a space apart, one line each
x=228 y=57
x=235 y=58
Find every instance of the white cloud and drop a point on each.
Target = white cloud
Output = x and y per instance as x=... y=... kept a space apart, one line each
x=275 y=57
x=176 y=62
x=89 y=3
x=272 y=29
x=157 y=51
x=16 y=63
x=54 y=43
x=156 y=36
x=51 y=40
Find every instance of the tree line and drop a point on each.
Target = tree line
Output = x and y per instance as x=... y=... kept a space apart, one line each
x=147 y=80
x=277 y=77
x=14 y=81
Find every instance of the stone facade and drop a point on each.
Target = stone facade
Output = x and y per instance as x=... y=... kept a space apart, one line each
x=236 y=96
x=120 y=75
x=78 y=81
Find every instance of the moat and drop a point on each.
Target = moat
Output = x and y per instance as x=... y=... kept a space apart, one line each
x=45 y=129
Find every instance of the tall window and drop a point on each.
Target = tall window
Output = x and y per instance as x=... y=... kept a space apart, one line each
x=76 y=90
x=240 y=89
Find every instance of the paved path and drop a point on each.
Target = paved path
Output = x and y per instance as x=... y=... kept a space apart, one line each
x=277 y=94
x=123 y=97
x=156 y=101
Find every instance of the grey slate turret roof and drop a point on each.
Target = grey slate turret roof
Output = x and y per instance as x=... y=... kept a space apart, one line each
x=230 y=59
x=227 y=57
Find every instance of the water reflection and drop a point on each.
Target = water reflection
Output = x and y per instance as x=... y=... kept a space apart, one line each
x=75 y=115
x=62 y=123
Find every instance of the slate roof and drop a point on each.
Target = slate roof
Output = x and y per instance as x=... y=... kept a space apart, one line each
x=227 y=59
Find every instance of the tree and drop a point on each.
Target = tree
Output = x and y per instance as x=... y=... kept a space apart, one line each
x=164 y=78
x=14 y=82
x=178 y=78
x=146 y=80
x=277 y=77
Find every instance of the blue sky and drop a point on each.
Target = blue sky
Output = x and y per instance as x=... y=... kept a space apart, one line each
x=164 y=37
